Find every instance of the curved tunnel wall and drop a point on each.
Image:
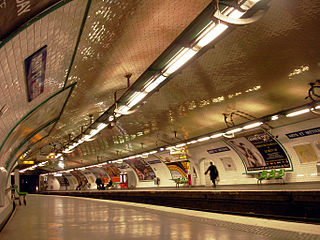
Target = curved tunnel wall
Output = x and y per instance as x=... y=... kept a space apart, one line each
x=303 y=169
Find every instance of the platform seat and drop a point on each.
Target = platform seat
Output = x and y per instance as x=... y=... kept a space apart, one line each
x=179 y=181
x=272 y=175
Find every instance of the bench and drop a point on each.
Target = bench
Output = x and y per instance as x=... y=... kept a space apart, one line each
x=180 y=181
x=21 y=195
x=272 y=175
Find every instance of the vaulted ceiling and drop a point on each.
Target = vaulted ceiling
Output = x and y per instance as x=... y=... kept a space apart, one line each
x=257 y=69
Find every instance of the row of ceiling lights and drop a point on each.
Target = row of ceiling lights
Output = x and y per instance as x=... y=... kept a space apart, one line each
x=229 y=133
x=209 y=33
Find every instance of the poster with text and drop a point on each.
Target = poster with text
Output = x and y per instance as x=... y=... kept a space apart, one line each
x=143 y=170
x=113 y=171
x=179 y=169
x=35 y=67
x=259 y=151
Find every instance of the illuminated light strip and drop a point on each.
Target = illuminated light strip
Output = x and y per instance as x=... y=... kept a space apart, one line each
x=181 y=145
x=217 y=135
x=210 y=33
x=34 y=167
x=192 y=142
x=183 y=56
x=274 y=117
x=253 y=125
x=153 y=83
x=299 y=112
x=234 y=131
x=203 y=139
x=153 y=152
x=122 y=110
x=136 y=98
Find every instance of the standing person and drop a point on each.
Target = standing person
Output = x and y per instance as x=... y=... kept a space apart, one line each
x=213 y=173
x=99 y=183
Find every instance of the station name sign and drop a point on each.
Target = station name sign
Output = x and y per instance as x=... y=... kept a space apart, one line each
x=218 y=150
x=15 y=13
x=303 y=133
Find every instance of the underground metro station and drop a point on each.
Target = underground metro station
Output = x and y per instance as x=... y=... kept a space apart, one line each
x=172 y=119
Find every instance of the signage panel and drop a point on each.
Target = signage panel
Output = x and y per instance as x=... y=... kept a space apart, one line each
x=35 y=67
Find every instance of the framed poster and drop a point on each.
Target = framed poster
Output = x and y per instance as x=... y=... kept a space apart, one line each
x=259 y=151
x=306 y=153
x=228 y=163
x=35 y=67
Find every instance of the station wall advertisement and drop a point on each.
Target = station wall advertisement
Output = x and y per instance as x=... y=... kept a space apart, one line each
x=179 y=169
x=260 y=151
x=143 y=170
x=113 y=172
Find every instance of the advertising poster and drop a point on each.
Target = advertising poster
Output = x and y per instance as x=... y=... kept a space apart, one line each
x=179 y=169
x=64 y=183
x=79 y=176
x=259 y=151
x=35 y=67
x=228 y=164
x=306 y=153
x=143 y=170
x=113 y=172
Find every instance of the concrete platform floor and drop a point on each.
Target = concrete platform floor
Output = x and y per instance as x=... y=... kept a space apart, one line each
x=59 y=217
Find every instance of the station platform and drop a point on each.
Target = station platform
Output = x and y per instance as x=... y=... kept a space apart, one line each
x=61 y=217
x=294 y=202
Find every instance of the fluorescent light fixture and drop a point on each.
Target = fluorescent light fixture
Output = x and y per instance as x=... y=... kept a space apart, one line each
x=111 y=118
x=211 y=32
x=234 y=130
x=296 y=113
x=236 y=14
x=161 y=149
x=192 y=142
x=274 y=117
x=203 y=139
x=153 y=152
x=181 y=145
x=61 y=164
x=169 y=148
x=135 y=98
x=67 y=151
x=183 y=56
x=253 y=125
x=217 y=135
x=153 y=83
x=101 y=126
x=122 y=110
x=94 y=132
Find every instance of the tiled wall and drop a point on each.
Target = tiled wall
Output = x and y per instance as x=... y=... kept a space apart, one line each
x=302 y=172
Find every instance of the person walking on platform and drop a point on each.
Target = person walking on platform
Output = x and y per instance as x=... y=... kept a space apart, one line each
x=213 y=173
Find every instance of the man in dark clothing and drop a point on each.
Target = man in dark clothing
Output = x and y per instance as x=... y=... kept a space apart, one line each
x=99 y=184
x=213 y=173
